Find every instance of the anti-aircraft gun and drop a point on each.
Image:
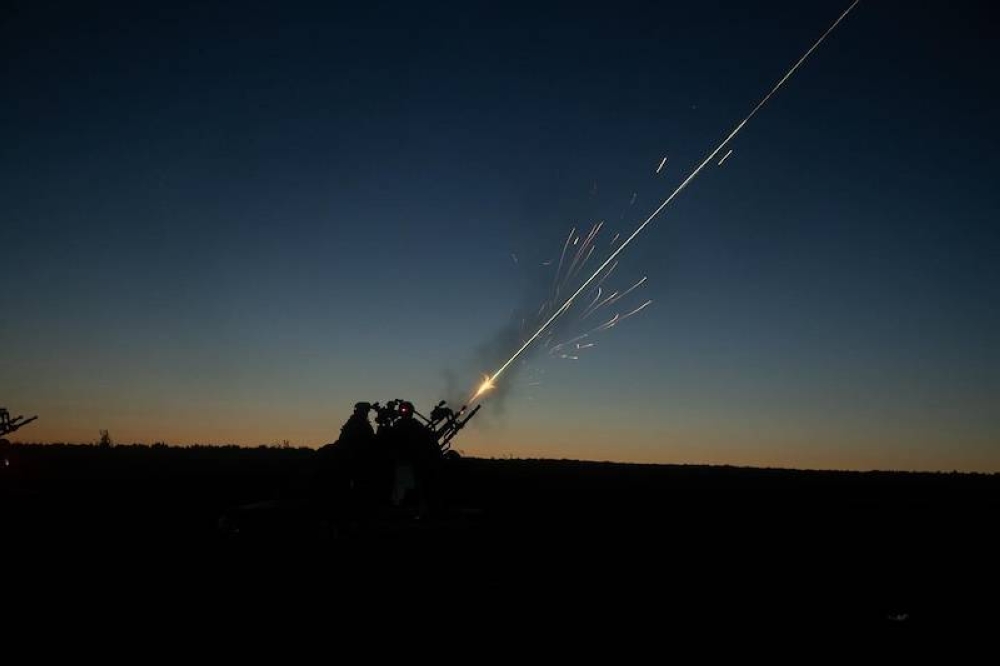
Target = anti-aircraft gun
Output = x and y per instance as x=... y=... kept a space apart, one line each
x=359 y=480
x=7 y=426
x=443 y=423
x=446 y=423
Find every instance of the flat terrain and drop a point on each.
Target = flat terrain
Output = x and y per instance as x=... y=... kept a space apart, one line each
x=587 y=540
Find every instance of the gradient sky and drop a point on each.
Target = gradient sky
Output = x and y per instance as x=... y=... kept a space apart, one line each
x=229 y=223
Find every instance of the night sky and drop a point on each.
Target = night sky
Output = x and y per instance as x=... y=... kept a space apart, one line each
x=228 y=223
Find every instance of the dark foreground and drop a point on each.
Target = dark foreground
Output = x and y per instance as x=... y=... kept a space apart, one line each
x=637 y=547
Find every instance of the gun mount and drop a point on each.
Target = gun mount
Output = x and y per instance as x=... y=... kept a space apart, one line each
x=443 y=423
x=9 y=425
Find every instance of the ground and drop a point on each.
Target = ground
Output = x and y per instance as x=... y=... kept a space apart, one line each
x=637 y=545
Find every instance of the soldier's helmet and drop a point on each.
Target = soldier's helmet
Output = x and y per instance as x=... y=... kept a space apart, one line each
x=362 y=407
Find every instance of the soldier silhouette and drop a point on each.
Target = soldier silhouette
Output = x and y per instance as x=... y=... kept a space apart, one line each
x=416 y=456
x=343 y=468
x=358 y=429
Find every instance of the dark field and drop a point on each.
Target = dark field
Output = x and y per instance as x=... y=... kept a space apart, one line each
x=632 y=545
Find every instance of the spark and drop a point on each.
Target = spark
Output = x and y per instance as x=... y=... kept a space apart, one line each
x=514 y=257
x=582 y=263
x=629 y=290
x=594 y=230
x=606 y=275
x=634 y=195
x=570 y=341
x=662 y=162
x=726 y=156
x=491 y=379
x=574 y=267
x=611 y=323
x=562 y=257
x=590 y=311
x=595 y=297
x=636 y=311
x=617 y=236
x=608 y=324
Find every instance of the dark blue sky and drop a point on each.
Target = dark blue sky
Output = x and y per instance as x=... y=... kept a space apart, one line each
x=231 y=222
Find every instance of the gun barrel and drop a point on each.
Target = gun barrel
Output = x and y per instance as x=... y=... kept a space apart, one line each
x=15 y=423
x=471 y=414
